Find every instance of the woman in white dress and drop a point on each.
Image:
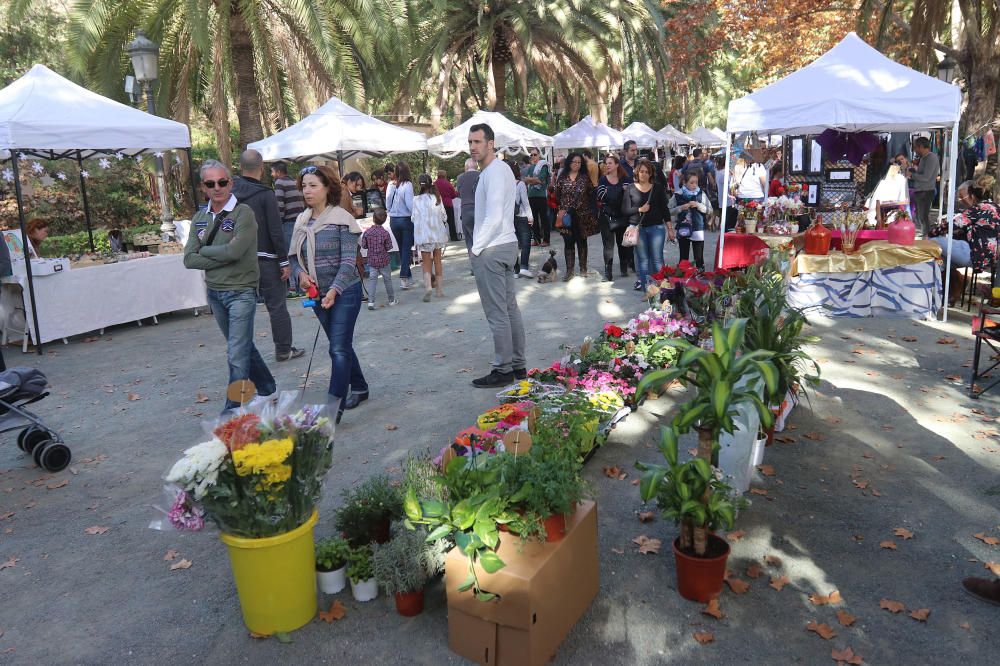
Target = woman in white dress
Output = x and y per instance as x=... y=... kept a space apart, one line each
x=891 y=189
x=430 y=234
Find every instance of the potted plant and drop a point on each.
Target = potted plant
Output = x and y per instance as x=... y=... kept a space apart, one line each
x=550 y=487
x=364 y=586
x=402 y=566
x=368 y=510
x=692 y=496
x=332 y=555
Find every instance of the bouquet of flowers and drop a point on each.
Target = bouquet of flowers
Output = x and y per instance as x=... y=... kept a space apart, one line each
x=259 y=475
x=529 y=390
x=510 y=415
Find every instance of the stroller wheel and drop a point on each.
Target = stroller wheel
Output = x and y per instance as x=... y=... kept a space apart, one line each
x=31 y=437
x=53 y=457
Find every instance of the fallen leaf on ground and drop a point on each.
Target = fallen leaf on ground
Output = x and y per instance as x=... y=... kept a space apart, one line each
x=953 y=378
x=201 y=397
x=965 y=625
x=134 y=396
x=58 y=484
x=647 y=545
x=778 y=583
x=824 y=631
x=737 y=586
x=846 y=656
x=891 y=606
x=994 y=567
x=337 y=611
x=845 y=618
x=5 y=516
x=937 y=458
x=9 y=562
x=815 y=436
x=611 y=472
x=170 y=555
x=992 y=541
x=704 y=637
x=754 y=570
x=713 y=609
x=736 y=536
x=392 y=427
x=867 y=455
x=858 y=537
x=946 y=341
x=772 y=560
x=785 y=439
x=766 y=470
x=758 y=491
x=254 y=635
x=888 y=545
x=96 y=529
x=646 y=516
x=921 y=614
x=903 y=532
x=909 y=338
x=832 y=420
x=822 y=600
x=860 y=484
x=181 y=564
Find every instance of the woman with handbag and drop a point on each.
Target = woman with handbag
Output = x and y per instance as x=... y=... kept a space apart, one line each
x=610 y=220
x=575 y=217
x=689 y=208
x=645 y=205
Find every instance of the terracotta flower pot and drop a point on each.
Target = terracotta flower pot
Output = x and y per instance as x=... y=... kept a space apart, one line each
x=409 y=604
x=701 y=578
x=555 y=527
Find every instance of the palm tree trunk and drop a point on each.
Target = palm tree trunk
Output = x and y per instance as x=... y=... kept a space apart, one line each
x=705 y=444
x=500 y=84
x=700 y=541
x=247 y=100
x=686 y=536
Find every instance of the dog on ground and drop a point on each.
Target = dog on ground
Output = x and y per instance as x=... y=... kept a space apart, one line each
x=549 y=268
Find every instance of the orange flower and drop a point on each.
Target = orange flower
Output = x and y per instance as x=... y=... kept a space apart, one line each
x=239 y=431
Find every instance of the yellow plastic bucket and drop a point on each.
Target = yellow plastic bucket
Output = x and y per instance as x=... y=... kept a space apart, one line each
x=275 y=578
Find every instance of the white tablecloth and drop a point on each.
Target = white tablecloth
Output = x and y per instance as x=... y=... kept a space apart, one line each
x=82 y=300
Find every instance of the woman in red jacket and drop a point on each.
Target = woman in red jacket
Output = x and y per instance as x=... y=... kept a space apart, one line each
x=448 y=194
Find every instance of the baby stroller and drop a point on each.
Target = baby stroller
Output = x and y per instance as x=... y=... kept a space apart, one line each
x=20 y=387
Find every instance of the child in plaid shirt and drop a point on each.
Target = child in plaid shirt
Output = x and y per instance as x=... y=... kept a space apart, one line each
x=379 y=244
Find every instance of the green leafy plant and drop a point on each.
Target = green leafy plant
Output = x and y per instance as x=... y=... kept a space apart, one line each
x=724 y=378
x=688 y=493
x=332 y=553
x=359 y=567
x=404 y=563
x=367 y=506
x=550 y=482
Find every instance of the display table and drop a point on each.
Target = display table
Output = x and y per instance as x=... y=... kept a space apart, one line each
x=743 y=249
x=881 y=279
x=864 y=236
x=87 y=299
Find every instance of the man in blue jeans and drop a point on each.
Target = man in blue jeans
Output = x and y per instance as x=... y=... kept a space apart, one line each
x=225 y=247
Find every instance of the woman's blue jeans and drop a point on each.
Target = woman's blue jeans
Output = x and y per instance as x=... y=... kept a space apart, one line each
x=402 y=229
x=649 y=251
x=234 y=313
x=522 y=229
x=338 y=322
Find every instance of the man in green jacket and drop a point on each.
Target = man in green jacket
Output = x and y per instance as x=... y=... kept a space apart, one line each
x=223 y=243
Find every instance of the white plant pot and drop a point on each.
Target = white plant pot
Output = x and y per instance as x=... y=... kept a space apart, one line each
x=751 y=226
x=331 y=582
x=736 y=450
x=794 y=228
x=758 y=451
x=366 y=590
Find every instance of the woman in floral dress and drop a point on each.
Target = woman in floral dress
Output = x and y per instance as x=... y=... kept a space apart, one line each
x=575 y=193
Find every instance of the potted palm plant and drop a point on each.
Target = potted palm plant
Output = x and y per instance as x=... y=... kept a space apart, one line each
x=332 y=555
x=364 y=586
x=693 y=497
x=402 y=566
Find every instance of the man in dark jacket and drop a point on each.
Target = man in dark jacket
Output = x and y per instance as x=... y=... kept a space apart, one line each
x=272 y=254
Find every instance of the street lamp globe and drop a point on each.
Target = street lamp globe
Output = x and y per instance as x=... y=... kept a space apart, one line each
x=947 y=69
x=144 y=54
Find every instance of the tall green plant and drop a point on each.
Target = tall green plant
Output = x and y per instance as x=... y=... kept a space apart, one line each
x=723 y=379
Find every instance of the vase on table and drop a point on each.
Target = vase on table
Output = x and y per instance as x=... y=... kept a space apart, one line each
x=817 y=238
x=902 y=231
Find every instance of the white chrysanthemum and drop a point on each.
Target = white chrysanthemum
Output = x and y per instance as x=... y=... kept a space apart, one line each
x=199 y=468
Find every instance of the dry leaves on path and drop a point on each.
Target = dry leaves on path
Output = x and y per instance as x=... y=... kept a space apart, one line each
x=766 y=470
x=778 y=583
x=903 y=532
x=647 y=545
x=9 y=562
x=845 y=618
x=201 y=397
x=615 y=473
x=132 y=397
x=58 y=484
x=772 y=560
x=181 y=564
x=170 y=555
x=704 y=637
x=713 y=609
x=822 y=600
x=994 y=567
x=921 y=614
x=815 y=436
x=96 y=529
x=736 y=536
x=754 y=571
x=758 y=491
x=646 y=516
x=946 y=341
x=337 y=611
x=846 y=656
x=824 y=631
x=888 y=545
x=392 y=427
x=988 y=540
x=891 y=606
x=737 y=585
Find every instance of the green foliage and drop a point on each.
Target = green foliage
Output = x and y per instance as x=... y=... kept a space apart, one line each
x=359 y=565
x=404 y=563
x=332 y=553
x=367 y=506
x=36 y=36
x=423 y=476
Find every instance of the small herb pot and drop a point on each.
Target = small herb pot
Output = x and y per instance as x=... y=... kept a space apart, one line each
x=366 y=590
x=409 y=604
x=332 y=582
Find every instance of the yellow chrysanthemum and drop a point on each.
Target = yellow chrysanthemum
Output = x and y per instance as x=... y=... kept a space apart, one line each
x=523 y=388
x=264 y=458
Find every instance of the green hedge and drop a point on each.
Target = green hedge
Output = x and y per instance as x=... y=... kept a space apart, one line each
x=78 y=243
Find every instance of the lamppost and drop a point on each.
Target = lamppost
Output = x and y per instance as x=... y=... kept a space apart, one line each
x=144 y=54
x=947 y=69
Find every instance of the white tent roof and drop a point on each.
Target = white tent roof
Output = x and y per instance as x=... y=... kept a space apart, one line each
x=852 y=87
x=508 y=134
x=719 y=133
x=589 y=133
x=704 y=137
x=644 y=135
x=42 y=111
x=337 y=127
x=675 y=135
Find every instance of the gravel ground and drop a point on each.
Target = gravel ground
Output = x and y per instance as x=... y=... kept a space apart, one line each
x=887 y=441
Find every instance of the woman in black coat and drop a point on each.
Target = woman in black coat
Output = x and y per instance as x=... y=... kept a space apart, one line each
x=610 y=219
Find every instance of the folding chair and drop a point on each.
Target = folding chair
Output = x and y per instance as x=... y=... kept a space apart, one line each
x=986 y=329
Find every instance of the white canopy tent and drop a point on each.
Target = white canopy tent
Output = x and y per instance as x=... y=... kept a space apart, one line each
x=704 y=137
x=674 y=135
x=336 y=131
x=852 y=88
x=588 y=133
x=47 y=116
x=719 y=133
x=644 y=135
x=509 y=136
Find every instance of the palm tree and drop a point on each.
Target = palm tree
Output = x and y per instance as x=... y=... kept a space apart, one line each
x=576 y=49
x=271 y=60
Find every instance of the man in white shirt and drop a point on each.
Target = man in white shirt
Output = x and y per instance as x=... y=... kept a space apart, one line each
x=493 y=255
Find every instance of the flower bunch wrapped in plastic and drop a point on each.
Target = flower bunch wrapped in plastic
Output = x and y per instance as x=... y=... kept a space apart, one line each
x=510 y=415
x=260 y=475
x=529 y=390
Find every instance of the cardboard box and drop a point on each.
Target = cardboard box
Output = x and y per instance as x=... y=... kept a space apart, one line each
x=544 y=590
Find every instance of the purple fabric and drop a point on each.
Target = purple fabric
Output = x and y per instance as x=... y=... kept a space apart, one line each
x=850 y=145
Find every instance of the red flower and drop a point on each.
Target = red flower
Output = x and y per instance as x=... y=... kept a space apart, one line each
x=239 y=431
x=684 y=264
x=613 y=331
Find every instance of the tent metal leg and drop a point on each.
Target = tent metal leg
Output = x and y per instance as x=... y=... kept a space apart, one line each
x=27 y=261
x=952 y=166
x=724 y=204
x=86 y=202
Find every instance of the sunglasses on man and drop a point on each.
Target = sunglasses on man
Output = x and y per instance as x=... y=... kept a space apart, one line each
x=210 y=184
